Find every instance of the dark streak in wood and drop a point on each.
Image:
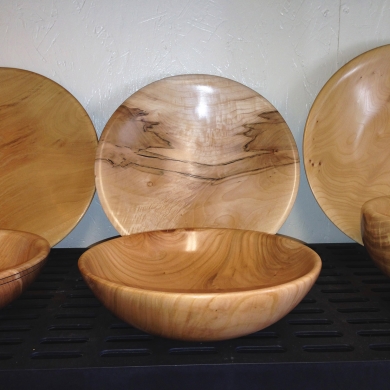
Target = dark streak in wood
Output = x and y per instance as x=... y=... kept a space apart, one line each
x=212 y=179
x=264 y=137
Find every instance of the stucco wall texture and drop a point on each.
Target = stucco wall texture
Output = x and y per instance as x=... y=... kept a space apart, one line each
x=104 y=50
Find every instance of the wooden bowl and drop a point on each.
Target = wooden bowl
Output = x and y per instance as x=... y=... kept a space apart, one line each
x=200 y=284
x=47 y=148
x=196 y=151
x=22 y=255
x=376 y=231
x=346 y=140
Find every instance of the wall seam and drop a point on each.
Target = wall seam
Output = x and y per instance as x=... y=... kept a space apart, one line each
x=338 y=37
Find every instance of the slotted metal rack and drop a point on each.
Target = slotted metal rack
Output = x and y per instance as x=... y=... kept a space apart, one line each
x=57 y=334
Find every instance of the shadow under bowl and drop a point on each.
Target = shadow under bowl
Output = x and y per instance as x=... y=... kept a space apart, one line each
x=22 y=256
x=200 y=284
x=375 y=225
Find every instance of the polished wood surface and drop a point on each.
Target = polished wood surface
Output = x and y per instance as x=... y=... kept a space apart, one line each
x=196 y=151
x=376 y=231
x=200 y=284
x=347 y=137
x=22 y=255
x=47 y=150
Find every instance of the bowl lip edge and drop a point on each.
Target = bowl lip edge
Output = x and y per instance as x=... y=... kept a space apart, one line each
x=311 y=275
x=368 y=208
x=308 y=278
x=43 y=252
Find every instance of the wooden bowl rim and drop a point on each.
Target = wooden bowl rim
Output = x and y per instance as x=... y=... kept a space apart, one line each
x=307 y=277
x=13 y=273
x=370 y=208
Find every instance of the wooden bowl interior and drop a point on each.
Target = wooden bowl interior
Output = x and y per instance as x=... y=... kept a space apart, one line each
x=378 y=208
x=196 y=151
x=346 y=140
x=20 y=251
x=199 y=260
x=48 y=145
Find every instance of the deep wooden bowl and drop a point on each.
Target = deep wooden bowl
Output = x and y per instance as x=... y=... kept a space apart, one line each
x=200 y=284
x=22 y=255
x=376 y=231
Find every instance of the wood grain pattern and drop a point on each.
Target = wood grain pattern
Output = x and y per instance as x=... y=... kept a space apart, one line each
x=196 y=151
x=22 y=256
x=200 y=284
x=376 y=231
x=347 y=138
x=47 y=151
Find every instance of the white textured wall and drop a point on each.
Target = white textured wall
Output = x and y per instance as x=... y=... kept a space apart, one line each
x=104 y=50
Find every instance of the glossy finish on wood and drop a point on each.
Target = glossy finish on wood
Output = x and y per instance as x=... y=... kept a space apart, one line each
x=22 y=255
x=347 y=139
x=47 y=150
x=196 y=151
x=376 y=231
x=200 y=284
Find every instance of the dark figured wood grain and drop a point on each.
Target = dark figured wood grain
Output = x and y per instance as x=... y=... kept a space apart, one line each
x=22 y=255
x=376 y=231
x=200 y=284
x=47 y=151
x=347 y=137
x=196 y=151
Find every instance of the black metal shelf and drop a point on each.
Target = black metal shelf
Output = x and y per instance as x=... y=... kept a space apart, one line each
x=58 y=333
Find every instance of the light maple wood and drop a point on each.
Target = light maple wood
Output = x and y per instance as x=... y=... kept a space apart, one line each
x=47 y=151
x=200 y=284
x=347 y=138
x=196 y=151
x=22 y=255
x=376 y=231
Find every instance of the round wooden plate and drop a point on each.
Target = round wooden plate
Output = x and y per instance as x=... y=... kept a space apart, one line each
x=47 y=150
x=196 y=151
x=347 y=139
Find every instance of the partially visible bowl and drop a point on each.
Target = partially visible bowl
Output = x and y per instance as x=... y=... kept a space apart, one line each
x=375 y=227
x=22 y=255
x=200 y=284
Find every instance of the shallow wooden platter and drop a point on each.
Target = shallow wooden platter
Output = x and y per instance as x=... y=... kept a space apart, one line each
x=376 y=231
x=196 y=151
x=200 y=284
x=47 y=150
x=347 y=139
x=22 y=256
